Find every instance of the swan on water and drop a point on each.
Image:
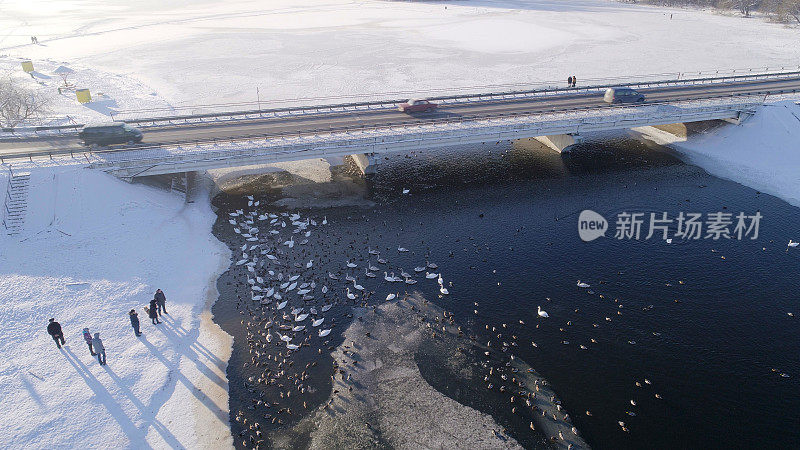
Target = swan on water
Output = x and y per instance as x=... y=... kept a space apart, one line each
x=582 y=285
x=350 y=295
x=351 y=265
x=292 y=346
x=402 y=249
x=282 y=304
x=317 y=322
x=391 y=297
x=323 y=333
x=358 y=287
x=430 y=276
x=541 y=312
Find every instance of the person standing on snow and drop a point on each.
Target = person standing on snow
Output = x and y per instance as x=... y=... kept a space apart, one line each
x=99 y=349
x=153 y=311
x=54 y=330
x=574 y=80
x=569 y=82
x=135 y=322
x=162 y=301
x=87 y=336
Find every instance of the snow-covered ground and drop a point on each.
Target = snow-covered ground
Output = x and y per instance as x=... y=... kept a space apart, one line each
x=95 y=248
x=142 y=54
x=762 y=153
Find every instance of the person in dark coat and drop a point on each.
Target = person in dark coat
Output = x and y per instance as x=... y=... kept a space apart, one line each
x=153 y=311
x=574 y=81
x=87 y=336
x=162 y=301
x=54 y=330
x=134 y=322
x=569 y=82
x=99 y=349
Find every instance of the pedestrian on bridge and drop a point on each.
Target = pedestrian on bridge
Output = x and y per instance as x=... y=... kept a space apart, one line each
x=569 y=82
x=574 y=80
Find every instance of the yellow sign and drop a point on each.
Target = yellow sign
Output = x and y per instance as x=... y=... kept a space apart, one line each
x=83 y=95
x=27 y=66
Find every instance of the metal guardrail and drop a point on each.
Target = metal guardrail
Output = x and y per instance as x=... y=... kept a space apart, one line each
x=255 y=114
x=387 y=125
x=604 y=81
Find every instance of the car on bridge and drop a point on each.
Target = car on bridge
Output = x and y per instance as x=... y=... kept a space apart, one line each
x=416 y=105
x=109 y=134
x=623 y=95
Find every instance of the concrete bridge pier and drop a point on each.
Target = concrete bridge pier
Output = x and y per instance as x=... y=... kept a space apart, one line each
x=194 y=183
x=560 y=142
x=365 y=162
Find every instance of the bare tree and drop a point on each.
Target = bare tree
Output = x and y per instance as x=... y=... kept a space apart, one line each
x=18 y=103
x=744 y=6
x=789 y=9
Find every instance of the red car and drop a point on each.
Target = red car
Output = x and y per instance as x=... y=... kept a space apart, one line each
x=416 y=105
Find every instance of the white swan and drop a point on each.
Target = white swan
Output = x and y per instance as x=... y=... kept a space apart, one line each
x=583 y=285
x=792 y=243
x=358 y=287
x=326 y=308
x=351 y=265
x=391 y=297
x=541 y=312
x=317 y=322
x=292 y=346
x=430 y=276
x=350 y=295
x=443 y=290
x=282 y=304
x=402 y=249
x=387 y=277
x=323 y=333
x=301 y=317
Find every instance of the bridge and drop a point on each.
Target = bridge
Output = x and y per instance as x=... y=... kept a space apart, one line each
x=556 y=116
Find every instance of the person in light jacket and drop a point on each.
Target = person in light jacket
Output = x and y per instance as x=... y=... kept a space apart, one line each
x=87 y=336
x=99 y=349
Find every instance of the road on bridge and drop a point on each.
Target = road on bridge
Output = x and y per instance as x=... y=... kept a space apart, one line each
x=322 y=122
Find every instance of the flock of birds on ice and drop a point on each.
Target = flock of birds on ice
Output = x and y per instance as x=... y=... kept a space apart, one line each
x=289 y=297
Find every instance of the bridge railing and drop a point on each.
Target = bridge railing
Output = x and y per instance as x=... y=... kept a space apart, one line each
x=497 y=93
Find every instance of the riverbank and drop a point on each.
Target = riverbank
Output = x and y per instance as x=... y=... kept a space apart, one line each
x=93 y=248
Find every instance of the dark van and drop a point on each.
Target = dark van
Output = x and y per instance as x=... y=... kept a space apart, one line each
x=110 y=133
x=623 y=95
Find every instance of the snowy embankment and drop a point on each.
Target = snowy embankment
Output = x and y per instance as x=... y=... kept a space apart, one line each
x=94 y=248
x=762 y=153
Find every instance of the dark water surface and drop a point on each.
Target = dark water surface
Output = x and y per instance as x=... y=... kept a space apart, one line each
x=705 y=322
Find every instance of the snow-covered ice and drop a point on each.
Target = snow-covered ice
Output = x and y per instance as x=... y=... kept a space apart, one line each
x=94 y=248
x=762 y=153
x=202 y=53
